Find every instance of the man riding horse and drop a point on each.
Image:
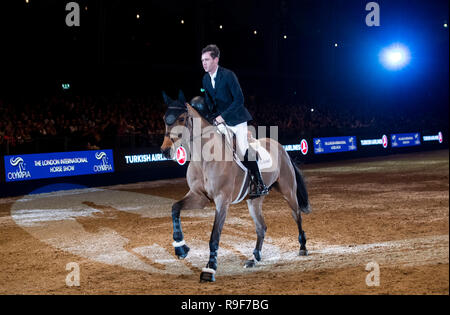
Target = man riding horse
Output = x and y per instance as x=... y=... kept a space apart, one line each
x=220 y=180
x=225 y=100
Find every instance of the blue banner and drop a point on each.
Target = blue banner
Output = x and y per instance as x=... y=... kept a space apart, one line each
x=58 y=164
x=334 y=144
x=405 y=140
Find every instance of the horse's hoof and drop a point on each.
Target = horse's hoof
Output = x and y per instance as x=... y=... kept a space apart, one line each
x=182 y=251
x=257 y=255
x=303 y=252
x=250 y=263
x=207 y=276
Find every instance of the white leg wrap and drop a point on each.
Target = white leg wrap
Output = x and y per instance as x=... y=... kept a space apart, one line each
x=209 y=270
x=178 y=244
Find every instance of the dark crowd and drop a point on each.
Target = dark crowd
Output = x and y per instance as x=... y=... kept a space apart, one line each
x=80 y=123
x=62 y=123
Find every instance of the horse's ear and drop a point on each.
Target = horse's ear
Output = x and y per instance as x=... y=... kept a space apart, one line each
x=190 y=109
x=167 y=100
x=181 y=97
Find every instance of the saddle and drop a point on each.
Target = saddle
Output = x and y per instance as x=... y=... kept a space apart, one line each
x=263 y=159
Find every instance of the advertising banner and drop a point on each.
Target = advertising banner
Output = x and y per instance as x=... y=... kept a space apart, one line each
x=439 y=138
x=58 y=164
x=334 y=144
x=405 y=140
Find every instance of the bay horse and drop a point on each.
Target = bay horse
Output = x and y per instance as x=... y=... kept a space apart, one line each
x=220 y=181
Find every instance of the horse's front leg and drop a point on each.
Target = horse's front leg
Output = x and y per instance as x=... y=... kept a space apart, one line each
x=208 y=273
x=190 y=201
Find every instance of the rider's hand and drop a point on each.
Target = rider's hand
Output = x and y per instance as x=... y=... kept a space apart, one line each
x=219 y=120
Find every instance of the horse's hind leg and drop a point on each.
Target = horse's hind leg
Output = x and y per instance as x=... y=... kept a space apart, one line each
x=255 y=209
x=289 y=193
x=301 y=234
x=190 y=201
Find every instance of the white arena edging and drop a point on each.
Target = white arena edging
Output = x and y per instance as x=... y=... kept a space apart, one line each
x=45 y=216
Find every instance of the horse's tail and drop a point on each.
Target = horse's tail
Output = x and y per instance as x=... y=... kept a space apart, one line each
x=302 y=193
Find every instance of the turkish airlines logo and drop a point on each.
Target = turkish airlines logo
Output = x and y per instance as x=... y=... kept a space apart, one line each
x=384 y=141
x=304 y=147
x=181 y=156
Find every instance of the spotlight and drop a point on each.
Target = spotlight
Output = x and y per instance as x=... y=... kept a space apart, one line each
x=395 y=57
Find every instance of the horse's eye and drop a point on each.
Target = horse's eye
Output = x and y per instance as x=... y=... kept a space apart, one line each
x=180 y=135
x=181 y=120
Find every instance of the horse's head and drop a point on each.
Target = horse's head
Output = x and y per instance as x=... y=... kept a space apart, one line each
x=176 y=122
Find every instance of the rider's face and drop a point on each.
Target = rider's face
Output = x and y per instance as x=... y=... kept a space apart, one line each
x=209 y=63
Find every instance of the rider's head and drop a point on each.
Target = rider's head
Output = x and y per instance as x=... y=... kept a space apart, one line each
x=210 y=58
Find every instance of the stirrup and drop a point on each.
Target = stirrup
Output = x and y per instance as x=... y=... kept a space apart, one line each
x=258 y=190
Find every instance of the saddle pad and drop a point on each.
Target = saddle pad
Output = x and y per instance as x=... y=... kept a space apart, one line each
x=265 y=160
x=264 y=157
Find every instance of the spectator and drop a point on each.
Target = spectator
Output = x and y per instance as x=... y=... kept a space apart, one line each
x=96 y=122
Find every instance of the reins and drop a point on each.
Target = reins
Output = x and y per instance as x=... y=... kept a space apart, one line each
x=227 y=143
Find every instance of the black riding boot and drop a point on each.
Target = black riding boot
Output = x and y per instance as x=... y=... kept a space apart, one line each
x=257 y=188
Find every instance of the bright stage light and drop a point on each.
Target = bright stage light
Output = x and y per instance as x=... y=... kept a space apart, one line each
x=395 y=57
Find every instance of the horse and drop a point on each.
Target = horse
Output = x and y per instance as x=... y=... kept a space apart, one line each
x=220 y=181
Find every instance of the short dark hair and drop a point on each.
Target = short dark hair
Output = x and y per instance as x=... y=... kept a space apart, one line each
x=213 y=50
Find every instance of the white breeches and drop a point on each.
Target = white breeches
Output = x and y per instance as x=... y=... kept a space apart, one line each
x=240 y=131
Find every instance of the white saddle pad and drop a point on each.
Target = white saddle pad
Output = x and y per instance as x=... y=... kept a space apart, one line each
x=265 y=160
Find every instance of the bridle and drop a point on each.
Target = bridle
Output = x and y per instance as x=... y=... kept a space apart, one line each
x=189 y=125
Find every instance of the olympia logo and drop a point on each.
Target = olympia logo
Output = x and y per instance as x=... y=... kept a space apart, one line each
x=21 y=172
x=105 y=166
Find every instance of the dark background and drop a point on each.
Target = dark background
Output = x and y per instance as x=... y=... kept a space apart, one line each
x=114 y=52
x=113 y=55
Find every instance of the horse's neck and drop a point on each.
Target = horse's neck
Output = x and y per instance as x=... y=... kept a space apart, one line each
x=215 y=139
x=215 y=144
x=218 y=142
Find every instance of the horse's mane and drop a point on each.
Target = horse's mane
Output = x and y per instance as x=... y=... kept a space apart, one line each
x=198 y=114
